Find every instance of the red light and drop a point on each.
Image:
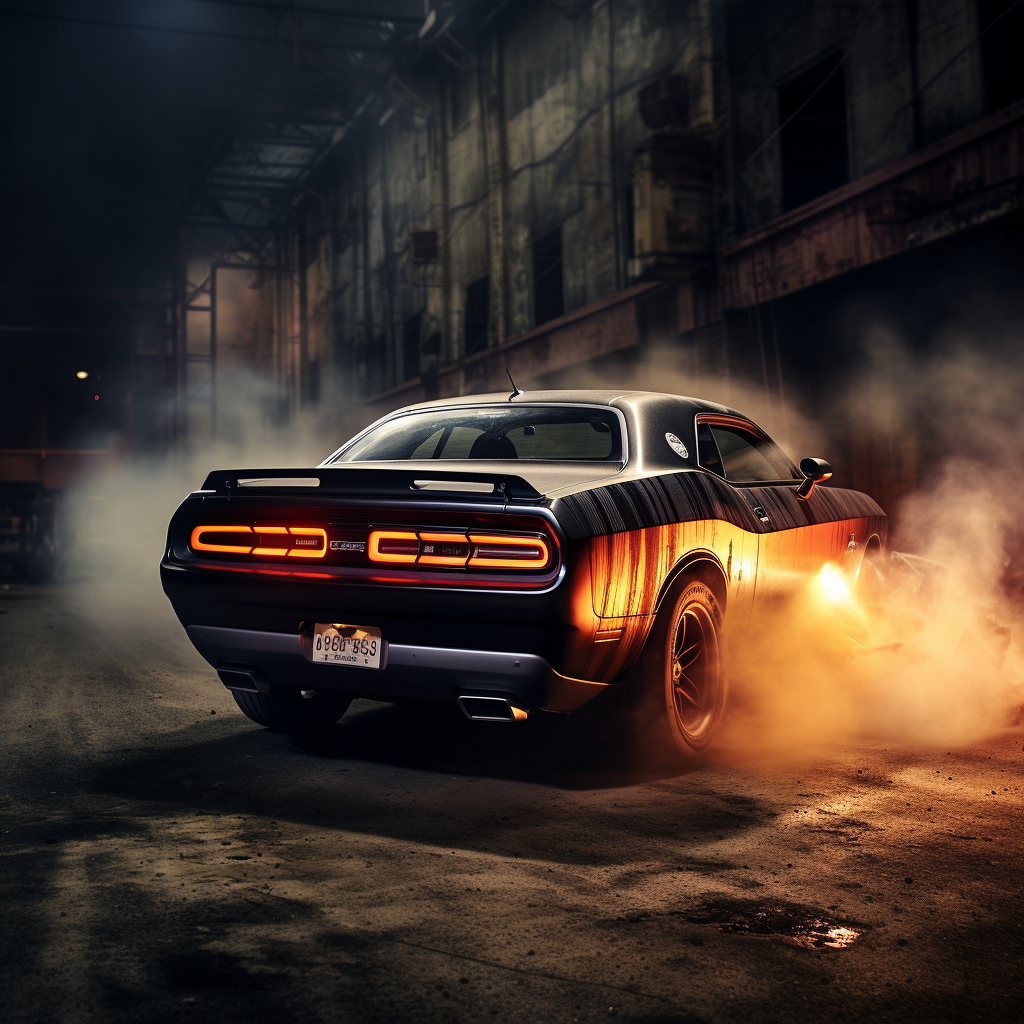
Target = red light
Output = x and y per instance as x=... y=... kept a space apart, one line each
x=95 y=398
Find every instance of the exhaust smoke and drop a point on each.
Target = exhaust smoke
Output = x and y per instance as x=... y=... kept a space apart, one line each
x=918 y=648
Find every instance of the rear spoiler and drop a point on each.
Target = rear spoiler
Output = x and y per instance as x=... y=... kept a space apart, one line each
x=498 y=488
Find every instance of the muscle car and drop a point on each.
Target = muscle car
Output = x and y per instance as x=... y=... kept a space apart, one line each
x=554 y=551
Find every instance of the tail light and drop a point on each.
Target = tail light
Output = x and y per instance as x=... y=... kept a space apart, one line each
x=519 y=550
x=269 y=541
x=460 y=550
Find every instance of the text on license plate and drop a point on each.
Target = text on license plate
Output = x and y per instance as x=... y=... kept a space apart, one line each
x=354 y=646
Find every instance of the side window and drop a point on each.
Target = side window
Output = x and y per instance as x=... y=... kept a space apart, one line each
x=748 y=458
x=707 y=450
x=741 y=455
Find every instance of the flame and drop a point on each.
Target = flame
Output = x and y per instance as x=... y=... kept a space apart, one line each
x=834 y=584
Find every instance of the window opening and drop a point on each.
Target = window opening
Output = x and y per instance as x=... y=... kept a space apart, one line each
x=548 y=301
x=814 y=144
x=629 y=220
x=707 y=450
x=562 y=433
x=1002 y=65
x=741 y=456
x=477 y=314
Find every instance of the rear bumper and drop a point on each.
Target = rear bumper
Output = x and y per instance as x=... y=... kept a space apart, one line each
x=410 y=672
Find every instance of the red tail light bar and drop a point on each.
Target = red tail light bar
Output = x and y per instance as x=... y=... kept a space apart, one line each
x=271 y=541
x=342 y=546
x=460 y=550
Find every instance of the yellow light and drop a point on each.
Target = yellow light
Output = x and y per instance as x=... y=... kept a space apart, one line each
x=308 y=531
x=431 y=541
x=82 y=374
x=198 y=544
x=833 y=583
x=313 y=541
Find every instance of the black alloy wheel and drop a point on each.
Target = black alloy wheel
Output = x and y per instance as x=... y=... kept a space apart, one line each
x=677 y=692
x=694 y=667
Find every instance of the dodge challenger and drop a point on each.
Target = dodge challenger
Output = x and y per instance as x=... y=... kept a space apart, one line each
x=549 y=551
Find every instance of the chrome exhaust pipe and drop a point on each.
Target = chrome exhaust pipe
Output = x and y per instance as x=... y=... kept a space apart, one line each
x=491 y=709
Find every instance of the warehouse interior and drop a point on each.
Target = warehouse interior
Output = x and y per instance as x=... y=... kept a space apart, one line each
x=342 y=208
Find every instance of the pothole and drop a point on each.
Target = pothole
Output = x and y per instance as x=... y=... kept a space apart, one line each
x=806 y=926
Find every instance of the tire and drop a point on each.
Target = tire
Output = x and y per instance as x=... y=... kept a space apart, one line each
x=677 y=695
x=285 y=710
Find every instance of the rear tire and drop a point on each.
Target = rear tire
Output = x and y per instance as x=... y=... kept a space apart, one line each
x=677 y=693
x=285 y=710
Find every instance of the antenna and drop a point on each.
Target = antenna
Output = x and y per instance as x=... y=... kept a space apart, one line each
x=515 y=391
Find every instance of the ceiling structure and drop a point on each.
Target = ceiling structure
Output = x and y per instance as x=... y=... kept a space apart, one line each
x=128 y=120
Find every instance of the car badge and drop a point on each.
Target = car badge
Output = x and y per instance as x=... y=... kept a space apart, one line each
x=677 y=446
x=348 y=545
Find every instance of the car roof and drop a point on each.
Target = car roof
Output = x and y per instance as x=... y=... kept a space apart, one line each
x=610 y=398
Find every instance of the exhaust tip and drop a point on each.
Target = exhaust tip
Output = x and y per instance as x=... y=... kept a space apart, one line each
x=241 y=678
x=491 y=709
x=235 y=679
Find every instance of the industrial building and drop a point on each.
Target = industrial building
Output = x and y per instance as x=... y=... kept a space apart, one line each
x=412 y=205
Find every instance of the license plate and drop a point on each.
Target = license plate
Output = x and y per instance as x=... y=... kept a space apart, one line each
x=334 y=643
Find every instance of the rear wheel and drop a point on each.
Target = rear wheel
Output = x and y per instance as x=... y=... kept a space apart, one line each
x=285 y=710
x=677 y=695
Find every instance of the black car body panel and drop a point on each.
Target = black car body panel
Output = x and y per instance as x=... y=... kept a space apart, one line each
x=558 y=637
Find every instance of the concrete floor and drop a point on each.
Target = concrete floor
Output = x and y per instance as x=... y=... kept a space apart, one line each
x=163 y=859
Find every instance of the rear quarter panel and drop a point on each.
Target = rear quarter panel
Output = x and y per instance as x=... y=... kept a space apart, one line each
x=619 y=576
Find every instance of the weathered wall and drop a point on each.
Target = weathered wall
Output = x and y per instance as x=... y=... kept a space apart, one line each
x=535 y=133
x=887 y=44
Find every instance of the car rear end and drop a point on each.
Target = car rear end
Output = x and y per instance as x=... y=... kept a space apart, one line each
x=392 y=584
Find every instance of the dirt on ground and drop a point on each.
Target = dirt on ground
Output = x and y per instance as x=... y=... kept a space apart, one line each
x=163 y=858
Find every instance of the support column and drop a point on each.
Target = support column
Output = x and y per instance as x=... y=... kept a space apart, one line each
x=303 y=367
x=492 y=116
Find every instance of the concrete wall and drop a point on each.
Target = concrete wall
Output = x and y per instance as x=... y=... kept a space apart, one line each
x=887 y=44
x=531 y=123
x=536 y=132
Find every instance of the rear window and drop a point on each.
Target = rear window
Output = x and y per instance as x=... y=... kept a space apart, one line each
x=569 y=433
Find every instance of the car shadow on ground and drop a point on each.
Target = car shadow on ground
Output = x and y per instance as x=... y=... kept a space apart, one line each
x=576 y=752
x=447 y=782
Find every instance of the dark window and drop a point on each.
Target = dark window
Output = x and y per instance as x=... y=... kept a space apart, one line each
x=547 y=277
x=629 y=220
x=424 y=245
x=411 y=347
x=557 y=433
x=707 y=450
x=432 y=345
x=1002 y=63
x=477 y=314
x=741 y=455
x=814 y=143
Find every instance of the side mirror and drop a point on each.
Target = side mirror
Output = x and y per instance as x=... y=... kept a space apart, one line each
x=814 y=471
